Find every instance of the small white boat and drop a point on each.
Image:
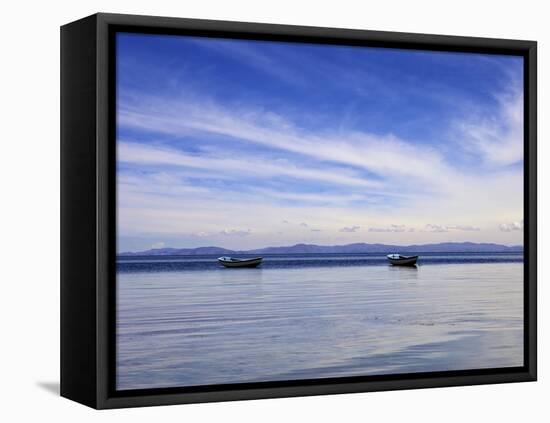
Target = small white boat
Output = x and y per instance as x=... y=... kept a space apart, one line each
x=235 y=262
x=399 y=260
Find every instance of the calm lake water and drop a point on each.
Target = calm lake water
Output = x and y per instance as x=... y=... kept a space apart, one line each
x=186 y=321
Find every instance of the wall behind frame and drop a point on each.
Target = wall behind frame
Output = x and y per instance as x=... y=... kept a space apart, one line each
x=30 y=193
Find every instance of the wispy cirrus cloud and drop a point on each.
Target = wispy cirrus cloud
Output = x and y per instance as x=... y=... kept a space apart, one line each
x=136 y=153
x=252 y=55
x=497 y=139
x=381 y=155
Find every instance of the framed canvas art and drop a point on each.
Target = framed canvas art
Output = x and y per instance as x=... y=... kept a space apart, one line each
x=255 y=211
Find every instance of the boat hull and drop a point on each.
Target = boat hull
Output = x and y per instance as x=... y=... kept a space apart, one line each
x=405 y=261
x=254 y=262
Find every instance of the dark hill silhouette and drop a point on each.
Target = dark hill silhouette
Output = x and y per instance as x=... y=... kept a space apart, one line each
x=444 y=247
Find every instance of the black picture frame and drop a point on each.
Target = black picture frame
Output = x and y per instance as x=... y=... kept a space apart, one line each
x=88 y=232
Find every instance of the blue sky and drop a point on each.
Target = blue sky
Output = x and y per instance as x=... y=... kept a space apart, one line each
x=245 y=144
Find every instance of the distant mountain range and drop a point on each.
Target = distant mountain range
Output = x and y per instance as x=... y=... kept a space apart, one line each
x=444 y=247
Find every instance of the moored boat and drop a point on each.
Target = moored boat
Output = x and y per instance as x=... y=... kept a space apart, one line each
x=235 y=262
x=399 y=260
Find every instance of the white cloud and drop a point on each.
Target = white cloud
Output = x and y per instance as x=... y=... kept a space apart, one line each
x=350 y=228
x=157 y=245
x=466 y=228
x=236 y=232
x=512 y=226
x=436 y=228
x=390 y=228
x=447 y=228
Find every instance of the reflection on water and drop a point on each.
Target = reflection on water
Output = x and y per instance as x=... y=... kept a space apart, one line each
x=184 y=328
x=404 y=272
